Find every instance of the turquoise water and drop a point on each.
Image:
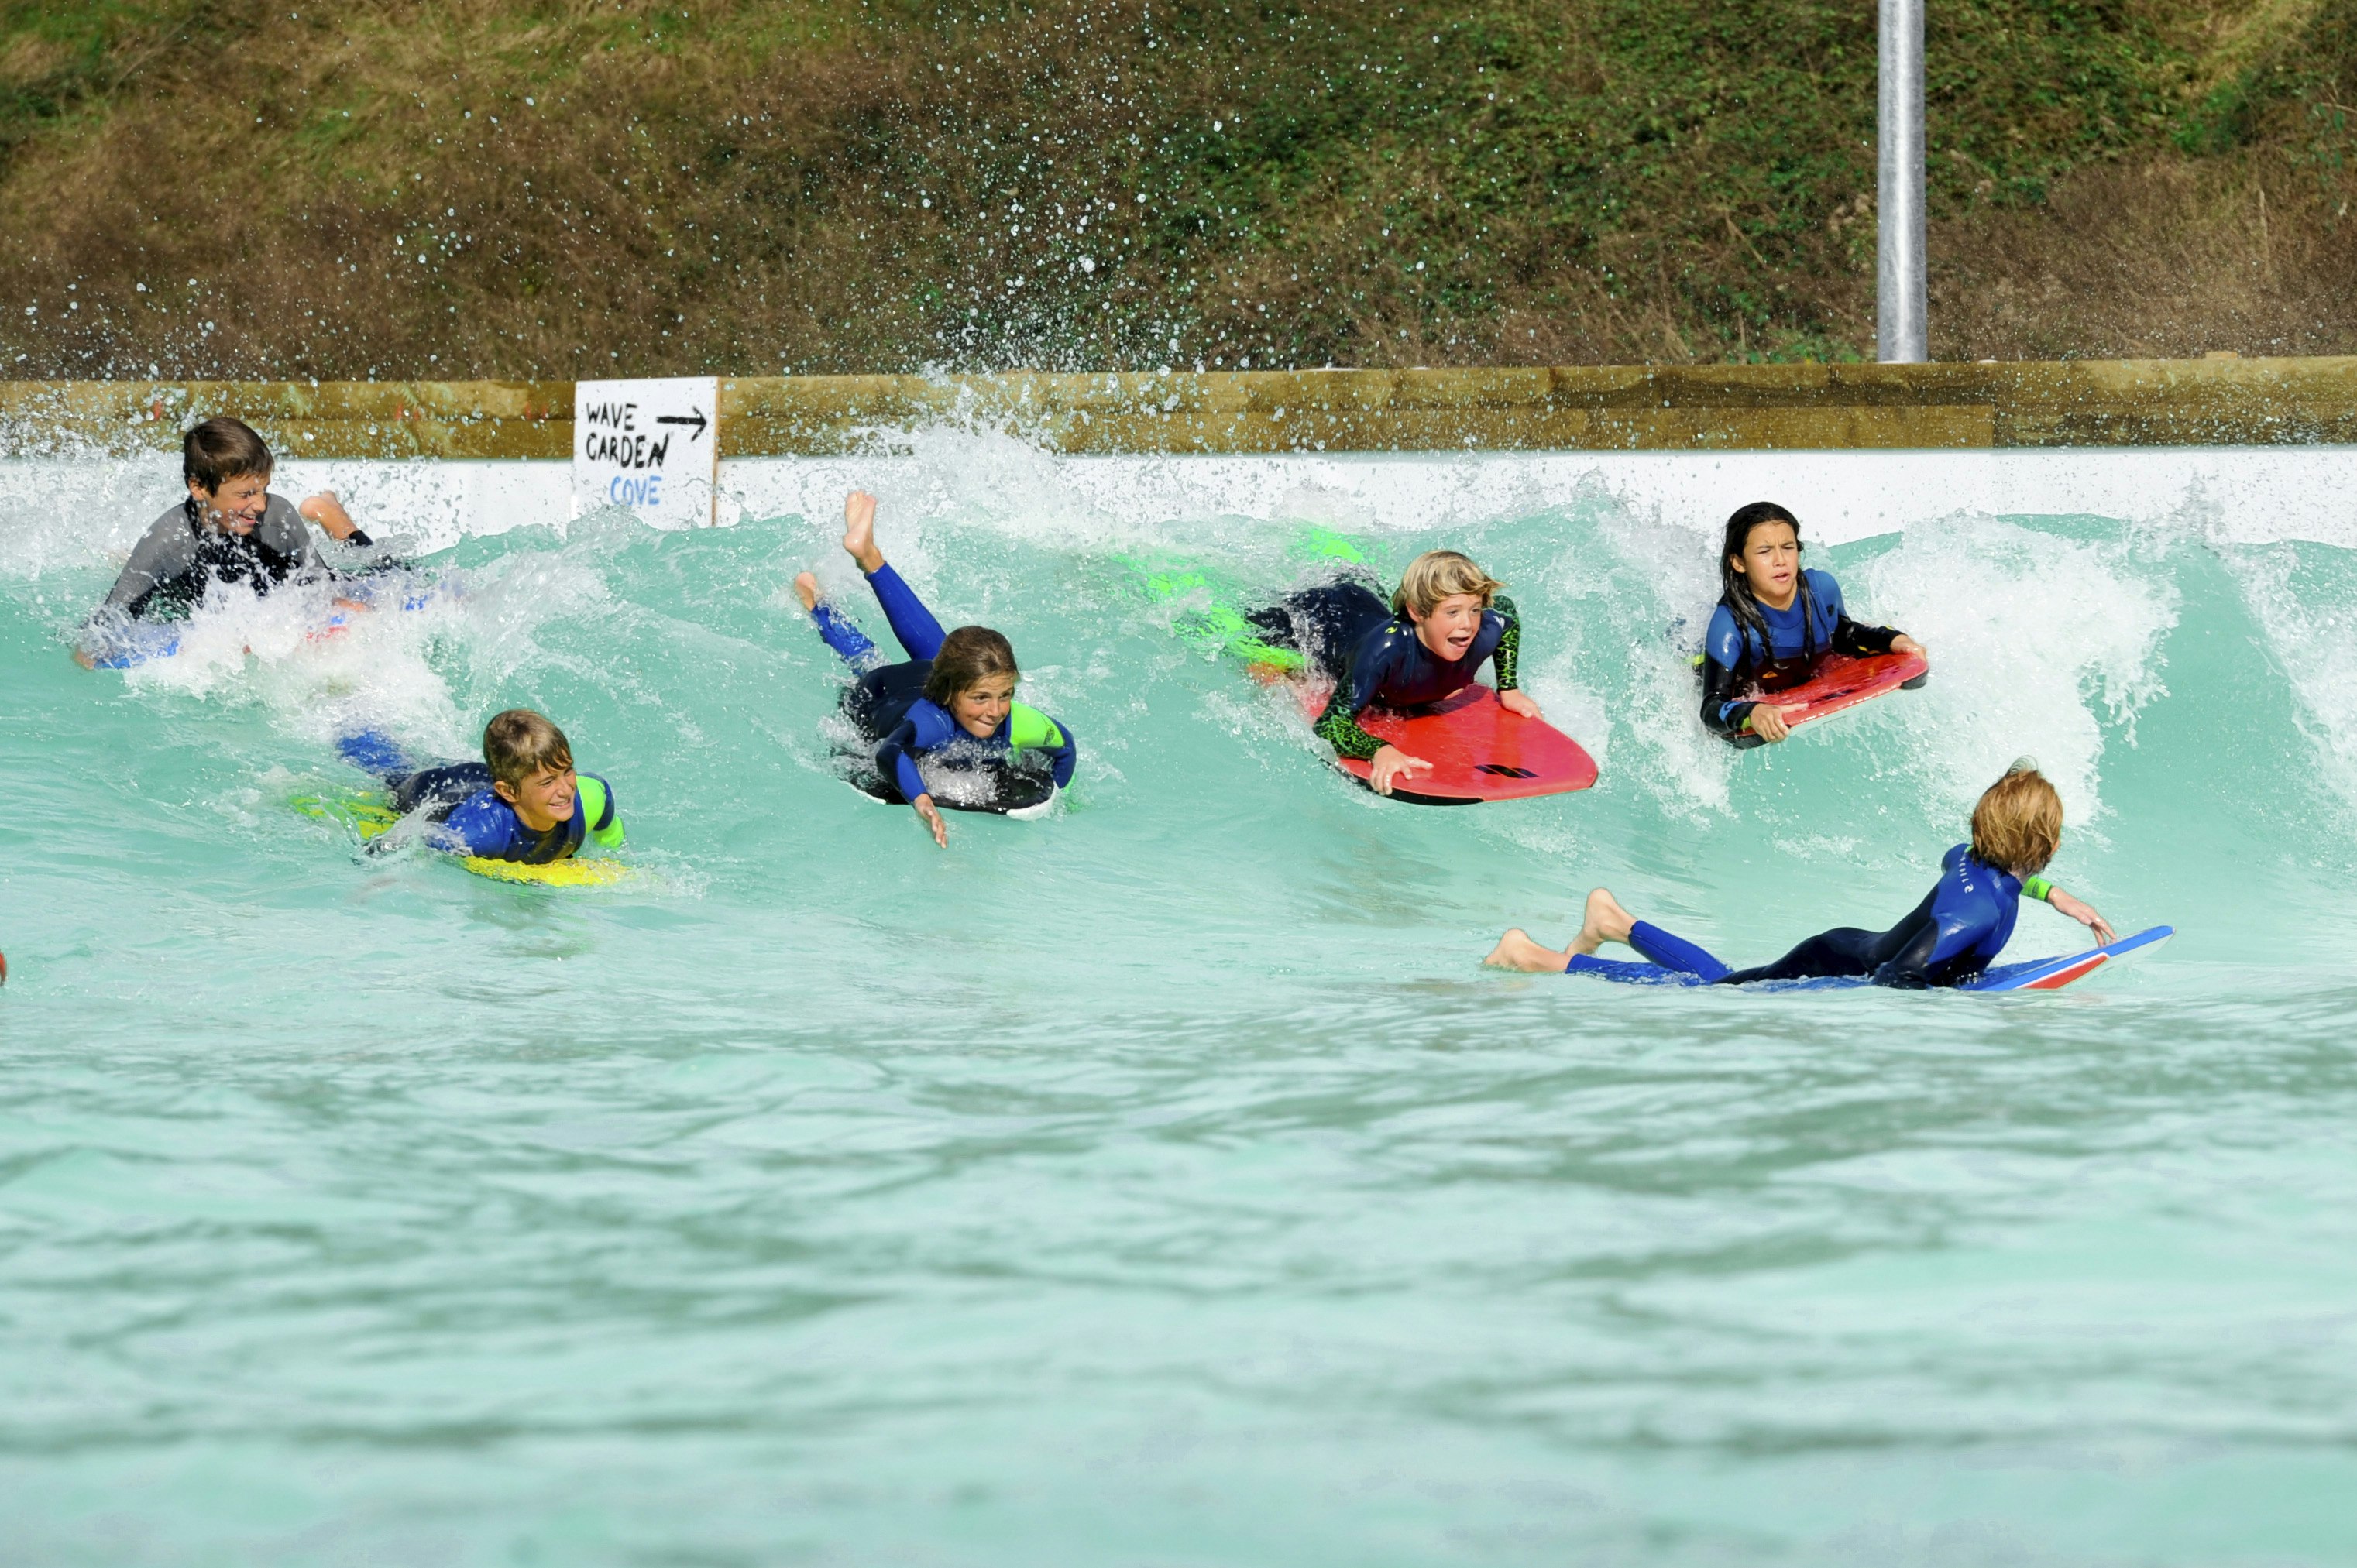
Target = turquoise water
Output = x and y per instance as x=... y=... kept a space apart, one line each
x=1166 y=1182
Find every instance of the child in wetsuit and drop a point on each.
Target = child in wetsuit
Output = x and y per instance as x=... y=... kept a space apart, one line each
x=229 y=529
x=1774 y=624
x=1445 y=619
x=954 y=696
x=1948 y=939
x=522 y=803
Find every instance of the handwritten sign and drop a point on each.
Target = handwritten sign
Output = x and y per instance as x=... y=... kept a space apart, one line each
x=650 y=446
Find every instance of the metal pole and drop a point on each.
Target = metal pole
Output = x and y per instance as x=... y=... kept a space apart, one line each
x=1902 y=304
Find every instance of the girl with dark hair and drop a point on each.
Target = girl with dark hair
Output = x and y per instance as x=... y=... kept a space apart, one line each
x=954 y=697
x=1774 y=624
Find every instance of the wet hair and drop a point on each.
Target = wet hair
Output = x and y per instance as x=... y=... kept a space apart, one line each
x=969 y=654
x=1735 y=588
x=1437 y=574
x=220 y=450
x=520 y=743
x=2017 y=824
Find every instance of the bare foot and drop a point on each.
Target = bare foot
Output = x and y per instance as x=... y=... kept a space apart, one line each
x=859 y=530
x=806 y=589
x=1516 y=950
x=1604 y=921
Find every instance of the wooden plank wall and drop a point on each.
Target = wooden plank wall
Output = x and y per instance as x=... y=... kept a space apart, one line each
x=2136 y=402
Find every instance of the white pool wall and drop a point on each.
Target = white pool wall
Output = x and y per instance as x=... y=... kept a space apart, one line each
x=2240 y=494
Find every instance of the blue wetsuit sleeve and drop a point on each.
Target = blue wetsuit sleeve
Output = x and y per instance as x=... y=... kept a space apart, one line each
x=896 y=759
x=912 y=623
x=1723 y=641
x=1063 y=757
x=482 y=825
x=840 y=633
x=1722 y=711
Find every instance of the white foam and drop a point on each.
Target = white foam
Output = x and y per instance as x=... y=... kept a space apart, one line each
x=2314 y=638
x=375 y=672
x=2239 y=494
x=60 y=513
x=2052 y=639
x=2037 y=642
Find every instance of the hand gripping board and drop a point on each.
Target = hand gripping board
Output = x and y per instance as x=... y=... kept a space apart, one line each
x=1844 y=683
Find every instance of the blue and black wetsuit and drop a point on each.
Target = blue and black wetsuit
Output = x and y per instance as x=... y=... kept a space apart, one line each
x=469 y=816
x=1950 y=938
x=1779 y=650
x=1376 y=660
x=889 y=702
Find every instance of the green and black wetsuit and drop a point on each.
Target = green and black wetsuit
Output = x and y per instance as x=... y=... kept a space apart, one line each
x=1377 y=660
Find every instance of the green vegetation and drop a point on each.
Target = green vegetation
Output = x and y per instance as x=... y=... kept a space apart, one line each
x=562 y=186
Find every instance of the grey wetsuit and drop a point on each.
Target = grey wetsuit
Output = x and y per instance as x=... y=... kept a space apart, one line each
x=179 y=555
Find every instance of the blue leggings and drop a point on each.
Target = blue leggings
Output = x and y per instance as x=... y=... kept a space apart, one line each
x=1675 y=961
x=1900 y=956
x=912 y=622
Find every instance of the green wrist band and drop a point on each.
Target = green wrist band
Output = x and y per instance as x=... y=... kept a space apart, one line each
x=2038 y=887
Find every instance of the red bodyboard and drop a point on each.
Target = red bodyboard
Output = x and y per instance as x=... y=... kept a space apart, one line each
x=1477 y=749
x=1844 y=683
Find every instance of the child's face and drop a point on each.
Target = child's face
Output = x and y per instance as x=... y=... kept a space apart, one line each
x=238 y=505
x=1771 y=562
x=1448 y=631
x=982 y=708
x=542 y=800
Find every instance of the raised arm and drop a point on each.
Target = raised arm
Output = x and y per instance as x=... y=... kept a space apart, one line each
x=328 y=513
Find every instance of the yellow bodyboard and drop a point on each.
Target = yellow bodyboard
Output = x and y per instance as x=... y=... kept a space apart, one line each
x=556 y=874
x=369 y=814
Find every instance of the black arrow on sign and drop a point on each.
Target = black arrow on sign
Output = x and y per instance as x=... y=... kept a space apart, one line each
x=699 y=420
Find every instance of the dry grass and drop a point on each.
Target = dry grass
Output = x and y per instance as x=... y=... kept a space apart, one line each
x=222 y=188
x=2165 y=258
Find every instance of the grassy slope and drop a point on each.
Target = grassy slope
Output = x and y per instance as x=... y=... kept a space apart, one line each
x=551 y=187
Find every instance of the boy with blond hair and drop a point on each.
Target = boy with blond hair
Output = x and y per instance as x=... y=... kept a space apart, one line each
x=523 y=802
x=1427 y=645
x=1948 y=939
